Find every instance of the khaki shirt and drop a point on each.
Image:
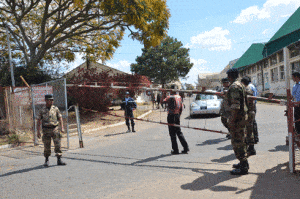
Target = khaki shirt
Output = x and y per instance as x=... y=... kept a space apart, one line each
x=50 y=117
x=237 y=97
x=225 y=108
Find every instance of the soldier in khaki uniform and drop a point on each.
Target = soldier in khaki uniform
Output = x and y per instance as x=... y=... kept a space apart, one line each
x=50 y=117
x=251 y=117
x=237 y=121
x=225 y=109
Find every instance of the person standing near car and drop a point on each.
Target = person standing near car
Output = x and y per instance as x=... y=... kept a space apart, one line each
x=128 y=105
x=175 y=107
x=225 y=109
x=237 y=121
x=251 y=117
x=50 y=117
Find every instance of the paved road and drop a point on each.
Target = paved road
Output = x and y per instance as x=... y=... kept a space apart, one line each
x=115 y=164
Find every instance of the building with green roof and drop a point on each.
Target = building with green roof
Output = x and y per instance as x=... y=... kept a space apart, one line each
x=264 y=62
x=251 y=56
x=288 y=33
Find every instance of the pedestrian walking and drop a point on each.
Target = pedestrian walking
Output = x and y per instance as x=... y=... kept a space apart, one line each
x=128 y=105
x=225 y=109
x=174 y=111
x=158 y=99
x=237 y=101
x=251 y=117
x=50 y=117
x=296 y=98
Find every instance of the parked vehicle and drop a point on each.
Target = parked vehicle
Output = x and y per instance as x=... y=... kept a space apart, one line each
x=205 y=104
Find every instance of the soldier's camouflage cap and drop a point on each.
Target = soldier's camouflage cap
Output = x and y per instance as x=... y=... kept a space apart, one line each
x=48 y=97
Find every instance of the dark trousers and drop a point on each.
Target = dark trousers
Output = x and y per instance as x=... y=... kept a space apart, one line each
x=129 y=114
x=297 y=117
x=174 y=130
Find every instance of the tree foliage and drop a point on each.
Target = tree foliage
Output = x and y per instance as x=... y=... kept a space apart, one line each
x=50 y=31
x=164 y=63
x=31 y=75
x=100 y=98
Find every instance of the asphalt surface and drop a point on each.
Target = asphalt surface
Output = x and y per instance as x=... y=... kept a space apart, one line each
x=115 y=164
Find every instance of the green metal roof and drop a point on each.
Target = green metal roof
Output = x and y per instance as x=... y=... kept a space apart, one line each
x=251 y=56
x=291 y=25
x=287 y=34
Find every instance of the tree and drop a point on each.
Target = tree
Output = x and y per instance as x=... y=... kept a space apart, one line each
x=189 y=86
x=164 y=63
x=49 y=31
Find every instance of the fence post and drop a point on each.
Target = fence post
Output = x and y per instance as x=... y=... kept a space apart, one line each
x=78 y=126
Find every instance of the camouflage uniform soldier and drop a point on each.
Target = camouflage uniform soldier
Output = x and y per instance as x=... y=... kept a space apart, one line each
x=237 y=122
x=251 y=117
x=50 y=117
x=225 y=109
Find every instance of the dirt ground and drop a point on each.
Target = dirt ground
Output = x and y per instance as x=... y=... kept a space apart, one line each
x=88 y=120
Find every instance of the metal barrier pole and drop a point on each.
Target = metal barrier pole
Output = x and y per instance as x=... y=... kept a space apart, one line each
x=67 y=113
x=290 y=132
x=78 y=126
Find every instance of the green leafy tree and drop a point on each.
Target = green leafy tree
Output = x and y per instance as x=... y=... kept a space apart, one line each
x=164 y=63
x=46 y=32
x=189 y=86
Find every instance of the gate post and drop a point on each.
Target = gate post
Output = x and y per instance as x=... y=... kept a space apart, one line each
x=290 y=131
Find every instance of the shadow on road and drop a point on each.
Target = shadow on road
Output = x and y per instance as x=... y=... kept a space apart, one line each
x=276 y=182
x=151 y=159
x=226 y=148
x=210 y=181
x=213 y=141
x=26 y=170
x=280 y=148
x=225 y=159
x=203 y=116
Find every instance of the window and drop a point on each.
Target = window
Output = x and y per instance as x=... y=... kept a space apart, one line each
x=274 y=74
x=280 y=55
x=248 y=71
x=273 y=60
x=266 y=81
x=295 y=67
x=266 y=64
x=253 y=69
x=294 y=51
x=281 y=71
x=259 y=79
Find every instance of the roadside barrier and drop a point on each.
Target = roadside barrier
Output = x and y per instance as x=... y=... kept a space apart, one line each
x=294 y=155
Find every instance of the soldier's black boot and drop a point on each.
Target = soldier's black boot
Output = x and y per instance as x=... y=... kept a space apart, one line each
x=60 y=162
x=251 y=150
x=243 y=170
x=128 y=131
x=132 y=128
x=236 y=166
x=46 y=164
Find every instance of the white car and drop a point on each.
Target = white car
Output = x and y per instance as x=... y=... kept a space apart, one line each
x=205 y=104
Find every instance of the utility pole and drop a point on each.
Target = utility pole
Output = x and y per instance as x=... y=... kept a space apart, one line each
x=10 y=59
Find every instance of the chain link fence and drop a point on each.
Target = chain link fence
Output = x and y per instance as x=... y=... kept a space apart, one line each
x=58 y=89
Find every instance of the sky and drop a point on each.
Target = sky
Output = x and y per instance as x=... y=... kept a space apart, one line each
x=215 y=31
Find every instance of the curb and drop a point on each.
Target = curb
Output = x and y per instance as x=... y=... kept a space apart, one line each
x=112 y=125
x=7 y=146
